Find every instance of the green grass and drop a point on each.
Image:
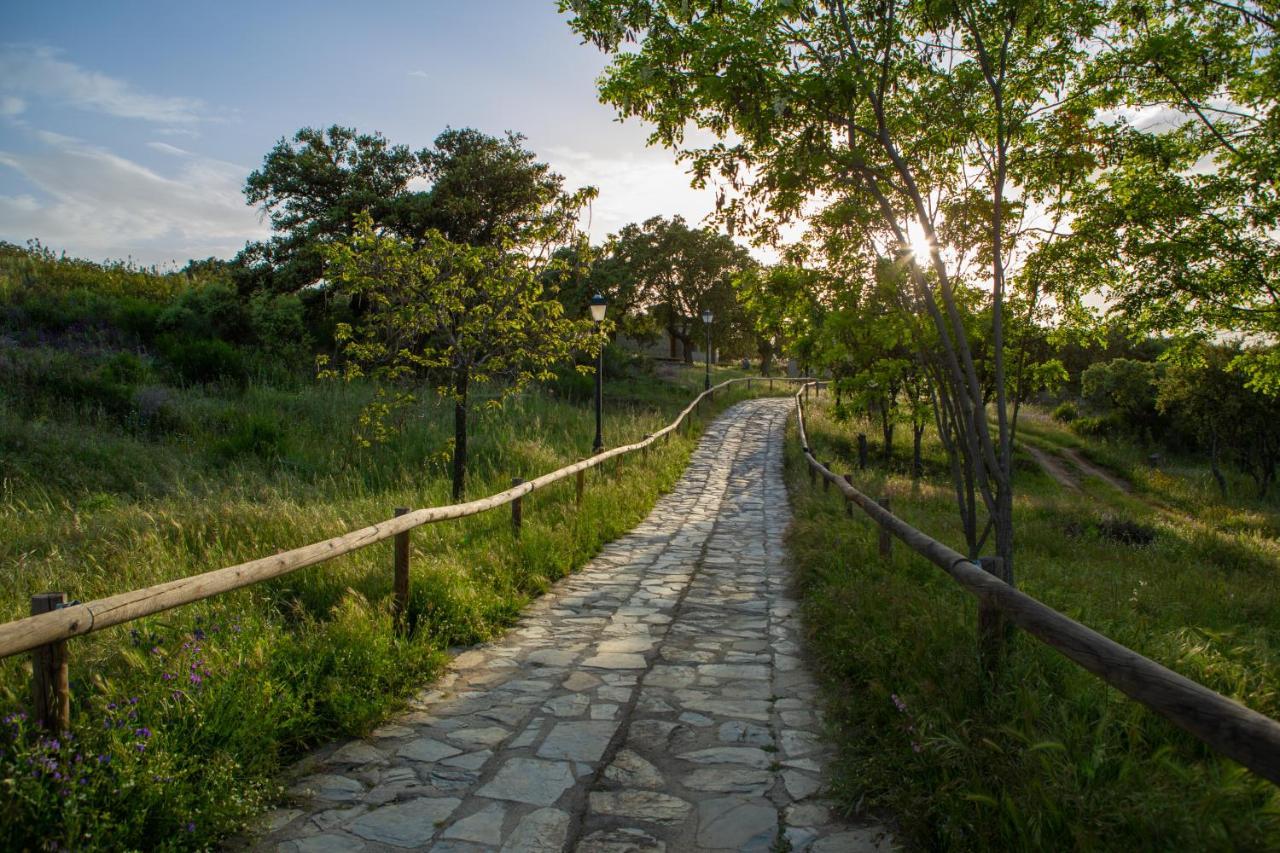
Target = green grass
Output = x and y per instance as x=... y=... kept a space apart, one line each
x=184 y=720
x=1044 y=756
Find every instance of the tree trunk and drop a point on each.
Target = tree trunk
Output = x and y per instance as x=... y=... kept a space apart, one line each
x=766 y=360
x=461 y=379
x=687 y=347
x=886 y=429
x=671 y=339
x=1213 y=463
x=917 y=464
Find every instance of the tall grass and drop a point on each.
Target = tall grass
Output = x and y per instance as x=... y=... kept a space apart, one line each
x=183 y=720
x=1043 y=756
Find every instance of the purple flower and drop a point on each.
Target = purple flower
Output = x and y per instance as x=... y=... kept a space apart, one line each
x=143 y=732
x=167 y=676
x=898 y=703
x=133 y=700
x=191 y=826
x=195 y=679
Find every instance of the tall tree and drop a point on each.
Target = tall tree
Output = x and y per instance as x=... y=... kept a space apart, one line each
x=457 y=312
x=675 y=272
x=904 y=117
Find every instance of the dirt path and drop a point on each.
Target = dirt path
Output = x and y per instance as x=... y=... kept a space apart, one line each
x=1053 y=466
x=1090 y=470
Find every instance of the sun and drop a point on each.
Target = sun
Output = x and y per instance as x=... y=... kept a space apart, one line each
x=919 y=244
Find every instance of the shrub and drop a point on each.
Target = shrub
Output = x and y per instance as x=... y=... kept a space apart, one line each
x=198 y=361
x=214 y=310
x=252 y=435
x=1102 y=426
x=1066 y=412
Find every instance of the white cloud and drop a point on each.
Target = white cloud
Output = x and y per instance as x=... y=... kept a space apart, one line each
x=100 y=205
x=12 y=106
x=39 y=72
x=166 y=148
x=419 y=73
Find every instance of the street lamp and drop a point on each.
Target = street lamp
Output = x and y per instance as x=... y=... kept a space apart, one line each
x=707 y=317
x=597 y=314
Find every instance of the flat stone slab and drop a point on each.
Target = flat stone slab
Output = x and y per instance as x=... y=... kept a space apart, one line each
x=529 y=780
x=654 y=702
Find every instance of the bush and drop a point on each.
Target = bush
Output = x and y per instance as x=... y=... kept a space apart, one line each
x=1066 y=412
x=1103 y=426
x=252 y=435
x=214 y=310
x=200 y=361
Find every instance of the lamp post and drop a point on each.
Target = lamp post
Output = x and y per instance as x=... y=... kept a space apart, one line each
x=707 y=317
x=597 y=314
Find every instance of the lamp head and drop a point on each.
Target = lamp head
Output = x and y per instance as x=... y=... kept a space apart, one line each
x=707 y=316
x=598 y=308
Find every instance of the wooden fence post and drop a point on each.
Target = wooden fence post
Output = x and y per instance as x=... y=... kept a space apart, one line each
x=848 y=504
x=992 y=626
x=516 y=512
x=50 y=689
x=770 y=383
x=400 y=580
x=580 y=487
x=862 y=451
x=886 y=538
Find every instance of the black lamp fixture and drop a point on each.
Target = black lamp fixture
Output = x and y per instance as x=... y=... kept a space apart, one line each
x=598 y=306
x=707 y=317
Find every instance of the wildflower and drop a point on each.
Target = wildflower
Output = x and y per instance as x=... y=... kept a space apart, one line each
x=195 y=678
x=111 y=706
x=198 y=634
x=133 y=700
x=167 y=676
x=143 y=732
x=191 y=826
x=898 y=703
x=104 y=759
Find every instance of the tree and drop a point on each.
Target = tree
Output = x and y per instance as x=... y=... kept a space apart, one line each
x=1178 y=229
x=483 y=191
x=312 y=188
x=456 y=312
x=451 y=312
x=782 y=304
x=675 y=272
x=890 y=117
x=1229 y=419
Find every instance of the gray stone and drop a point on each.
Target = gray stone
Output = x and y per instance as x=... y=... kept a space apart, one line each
x=640 y=805
x=485 y=736
x=541 y=831
x=327 y=843
x=328 y=786
x=579 y=681
x=748 y=755
x=615 y=660
x=732 y=779
x=800 y=786
x=528 y=780
x=629 y=770
x=357 y=752
x=620 y=840
x=568 y=705
x=408 y=824
x=469 y=761
x=427 y=749
x=739 y=732
x=732 y=822
x=583 y=740
x=483 y=827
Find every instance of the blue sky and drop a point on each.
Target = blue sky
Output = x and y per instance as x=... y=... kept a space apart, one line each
x=127 y=129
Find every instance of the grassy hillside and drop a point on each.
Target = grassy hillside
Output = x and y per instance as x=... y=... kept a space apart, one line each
x=1045 y=756
x=136 y=447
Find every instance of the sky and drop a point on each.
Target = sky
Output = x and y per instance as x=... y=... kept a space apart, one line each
x=127 y=129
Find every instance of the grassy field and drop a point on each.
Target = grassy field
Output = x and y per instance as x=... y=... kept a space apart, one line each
x=1044 y=756
x=183 y=720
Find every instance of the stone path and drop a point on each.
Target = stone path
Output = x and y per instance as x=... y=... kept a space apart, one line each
x=654 y=701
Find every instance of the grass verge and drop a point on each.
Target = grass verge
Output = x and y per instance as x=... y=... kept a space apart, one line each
x=1044 y=756
x=183 y=720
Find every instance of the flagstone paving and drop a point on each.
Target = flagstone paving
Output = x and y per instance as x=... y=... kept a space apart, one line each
x=654 y=701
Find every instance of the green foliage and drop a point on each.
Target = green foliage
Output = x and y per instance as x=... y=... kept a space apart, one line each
x=200 y=360
x=1127 y=390
x=1066 y=412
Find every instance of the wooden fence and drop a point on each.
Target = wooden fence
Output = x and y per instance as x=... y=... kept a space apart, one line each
x=54 y=620
x=1228 y=727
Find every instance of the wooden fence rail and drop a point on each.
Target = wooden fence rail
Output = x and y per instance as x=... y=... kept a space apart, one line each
x=1227 y=726
x=55 y=622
